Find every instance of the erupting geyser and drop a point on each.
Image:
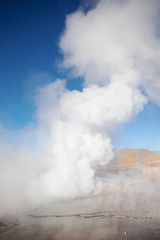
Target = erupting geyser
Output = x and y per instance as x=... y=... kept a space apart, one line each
x=115 y=48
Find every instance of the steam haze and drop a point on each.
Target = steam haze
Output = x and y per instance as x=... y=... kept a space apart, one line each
x=115 y=48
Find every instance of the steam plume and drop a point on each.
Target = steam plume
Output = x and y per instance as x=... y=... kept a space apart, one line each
x=115 y=47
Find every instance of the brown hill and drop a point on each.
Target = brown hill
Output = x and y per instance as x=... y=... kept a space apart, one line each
x=131 y=158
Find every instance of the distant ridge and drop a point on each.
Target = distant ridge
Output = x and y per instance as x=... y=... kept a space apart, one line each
x=127 y=158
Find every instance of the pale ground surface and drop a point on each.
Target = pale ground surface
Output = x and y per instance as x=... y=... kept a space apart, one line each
x=130 y=211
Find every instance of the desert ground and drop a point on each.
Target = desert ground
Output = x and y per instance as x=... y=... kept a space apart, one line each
x=128 y=207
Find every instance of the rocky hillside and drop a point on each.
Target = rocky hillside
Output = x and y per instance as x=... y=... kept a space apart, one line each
x=127 y=158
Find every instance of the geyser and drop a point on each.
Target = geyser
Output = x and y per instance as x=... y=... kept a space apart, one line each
x=115 y=48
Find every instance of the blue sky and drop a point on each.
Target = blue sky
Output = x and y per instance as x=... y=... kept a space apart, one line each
x=143 y=131
x=30 y=32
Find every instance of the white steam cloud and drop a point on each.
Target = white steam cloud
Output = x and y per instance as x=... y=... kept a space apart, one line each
x=115 y=47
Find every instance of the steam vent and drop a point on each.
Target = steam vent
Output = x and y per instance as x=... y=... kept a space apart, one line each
x=127 y=207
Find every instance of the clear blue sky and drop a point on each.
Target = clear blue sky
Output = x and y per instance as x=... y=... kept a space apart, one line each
x=30 y=31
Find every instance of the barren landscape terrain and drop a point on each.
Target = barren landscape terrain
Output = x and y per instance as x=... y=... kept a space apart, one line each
x=126 y=208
